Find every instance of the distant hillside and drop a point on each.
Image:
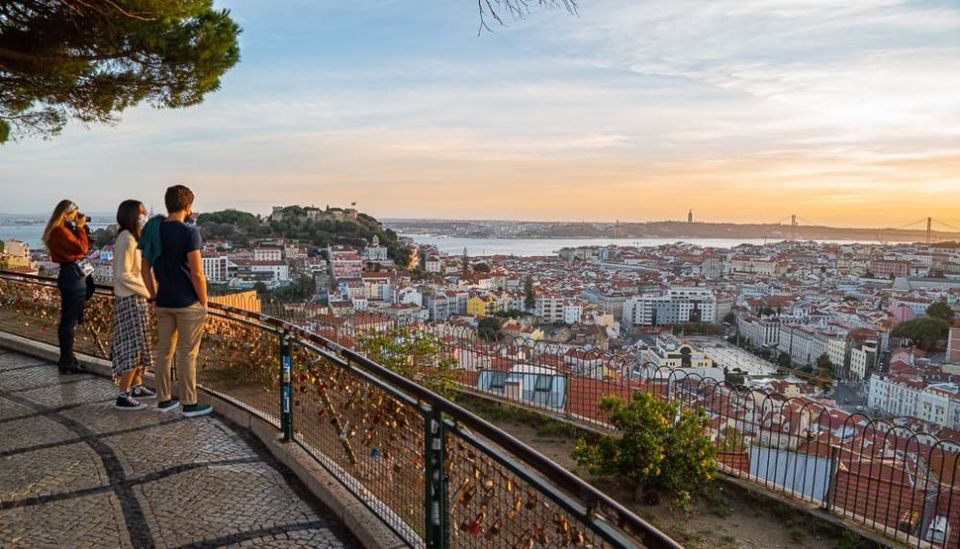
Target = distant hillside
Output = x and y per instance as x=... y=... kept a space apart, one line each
x=679 y=229
x=313 y=228
x=658 y=229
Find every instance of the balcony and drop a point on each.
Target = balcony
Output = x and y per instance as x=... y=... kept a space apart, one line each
x=433 y=473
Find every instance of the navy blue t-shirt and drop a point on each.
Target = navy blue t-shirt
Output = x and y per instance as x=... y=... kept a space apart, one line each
x=171 y=268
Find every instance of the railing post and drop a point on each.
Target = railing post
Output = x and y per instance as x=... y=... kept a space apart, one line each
x=286 y=389
x=435 y=510
x=567 y=413
x=834 y=473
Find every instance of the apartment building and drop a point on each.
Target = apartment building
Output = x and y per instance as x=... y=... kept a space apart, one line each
x=755 y=265
x=863 y=357
x=760 y=332
x=217 y=268
x=678 y=305
x=953 y=344
x=806 y=344
x=268 y=253
x=903 y=396
x=549 y=308
x=890 y=267
x=345 y=263
x=378 y=286
x=442 y=304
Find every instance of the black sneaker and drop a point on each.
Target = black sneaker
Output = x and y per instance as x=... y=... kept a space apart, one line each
x=125 y=402
x=168 y=405
x=142 y=392
x=70 y=368
x=194 y=410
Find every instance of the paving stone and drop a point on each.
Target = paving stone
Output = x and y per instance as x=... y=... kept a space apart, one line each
x=76 y=472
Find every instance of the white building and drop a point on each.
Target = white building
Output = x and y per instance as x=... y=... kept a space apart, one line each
x=267 y=253
x=937 y=403
x=676 y=359
x=433 y=264
x=862 y=357
x=549 y=308
x=378 y=286
x=410 y=296
x=755 y=265
x=375 y=252
x=679 y=305
x=442 y=304
x=217 y=268
x=275 y=272
x=760 y=332
x=572 y=312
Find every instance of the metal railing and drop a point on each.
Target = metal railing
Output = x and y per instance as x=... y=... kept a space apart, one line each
x=871 y=472
x=435 y=473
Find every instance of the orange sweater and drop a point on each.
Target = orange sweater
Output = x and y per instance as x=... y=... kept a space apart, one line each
x=67 y=246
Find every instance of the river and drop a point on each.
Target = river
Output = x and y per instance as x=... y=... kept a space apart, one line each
x=524 y=247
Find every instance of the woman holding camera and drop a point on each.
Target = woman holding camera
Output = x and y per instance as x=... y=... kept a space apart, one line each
x=131 y=344
x=68 y=240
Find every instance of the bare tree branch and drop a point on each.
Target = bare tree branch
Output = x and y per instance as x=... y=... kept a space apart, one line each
x=517 y=9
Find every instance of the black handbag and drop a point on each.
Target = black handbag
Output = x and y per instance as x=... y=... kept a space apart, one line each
x=91 y=287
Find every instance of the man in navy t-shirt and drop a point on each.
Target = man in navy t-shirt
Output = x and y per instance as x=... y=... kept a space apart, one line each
x=180 y=294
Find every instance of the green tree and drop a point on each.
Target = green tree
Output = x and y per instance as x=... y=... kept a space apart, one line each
x=529 y=297
x=941 y=310
x=481 y=268
x=925 y=331
x=660 y=449
x=90 y=60
x=784 y=360
x=104 y=236
x=416 y=355
x=735 y=378
x=489 y=328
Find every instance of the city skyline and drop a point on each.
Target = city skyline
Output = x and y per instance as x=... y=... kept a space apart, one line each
x=744 y=111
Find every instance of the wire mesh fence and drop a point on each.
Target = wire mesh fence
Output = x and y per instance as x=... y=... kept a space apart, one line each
x=493 y=506
x=396 y=445
x=876 y=473
x=368 y=436
x=239 y=360
x=30 y=308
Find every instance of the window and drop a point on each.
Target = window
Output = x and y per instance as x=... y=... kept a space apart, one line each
x=544 y=384
x=497 y=380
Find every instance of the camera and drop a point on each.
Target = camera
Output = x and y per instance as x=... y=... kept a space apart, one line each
x=84 y=217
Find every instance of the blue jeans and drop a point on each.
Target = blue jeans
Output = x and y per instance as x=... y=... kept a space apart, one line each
x=73 y=291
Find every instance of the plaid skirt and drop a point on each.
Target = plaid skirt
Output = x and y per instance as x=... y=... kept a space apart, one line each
x=131 y=343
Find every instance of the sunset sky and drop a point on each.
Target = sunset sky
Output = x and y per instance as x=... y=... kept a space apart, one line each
x=843 y=112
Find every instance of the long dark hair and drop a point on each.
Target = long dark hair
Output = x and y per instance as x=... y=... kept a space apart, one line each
x=128 y=217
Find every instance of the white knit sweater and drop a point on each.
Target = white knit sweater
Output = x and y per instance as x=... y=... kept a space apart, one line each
x=126 y=267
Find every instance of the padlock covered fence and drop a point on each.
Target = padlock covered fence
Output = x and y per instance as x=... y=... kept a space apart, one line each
x=435 y=473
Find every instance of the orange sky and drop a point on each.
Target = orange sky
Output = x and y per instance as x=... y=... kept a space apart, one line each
x=843 y=113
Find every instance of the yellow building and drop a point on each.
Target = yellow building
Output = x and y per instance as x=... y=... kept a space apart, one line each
x=481 y=306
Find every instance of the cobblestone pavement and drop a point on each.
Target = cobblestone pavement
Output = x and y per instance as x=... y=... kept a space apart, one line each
x=74 y=472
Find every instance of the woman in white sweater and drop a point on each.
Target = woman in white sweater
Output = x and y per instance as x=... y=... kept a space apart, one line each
x=131 y=350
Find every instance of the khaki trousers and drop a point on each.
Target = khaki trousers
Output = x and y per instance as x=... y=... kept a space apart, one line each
x=180 y=331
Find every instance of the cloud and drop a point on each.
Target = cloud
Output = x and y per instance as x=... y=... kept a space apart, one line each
x=633 y=110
